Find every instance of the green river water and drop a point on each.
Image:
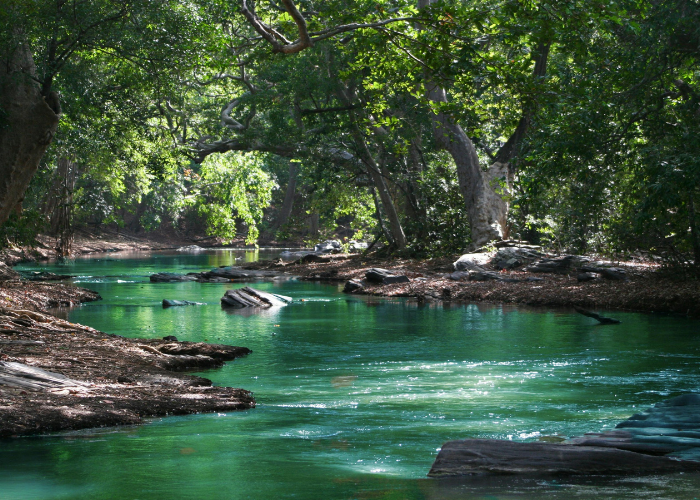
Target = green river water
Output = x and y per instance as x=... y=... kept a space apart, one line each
x=356 y=394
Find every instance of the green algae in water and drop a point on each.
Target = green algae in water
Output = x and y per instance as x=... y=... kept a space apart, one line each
x=356 y=395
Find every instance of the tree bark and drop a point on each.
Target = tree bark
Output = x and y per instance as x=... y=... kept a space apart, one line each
x=486 y=210
x=28 y=122
x=375 y=173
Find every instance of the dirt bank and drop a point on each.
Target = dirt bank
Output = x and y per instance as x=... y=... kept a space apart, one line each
x=111 y=380
x=647 y=289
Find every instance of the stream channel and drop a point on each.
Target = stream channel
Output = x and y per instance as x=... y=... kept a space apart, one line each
x=355 y=394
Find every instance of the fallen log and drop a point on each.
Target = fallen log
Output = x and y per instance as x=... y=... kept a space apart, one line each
x=602 y=319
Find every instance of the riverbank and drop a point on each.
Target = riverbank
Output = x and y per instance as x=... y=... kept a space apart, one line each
x=646 y=287
x=56 y=375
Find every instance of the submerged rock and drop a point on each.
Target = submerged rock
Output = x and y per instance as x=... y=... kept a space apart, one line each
x=249 y=297
x=171 y=277
x=353 y=286
x=176 y=303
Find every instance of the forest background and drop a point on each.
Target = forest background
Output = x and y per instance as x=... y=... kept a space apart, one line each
x=431 y=126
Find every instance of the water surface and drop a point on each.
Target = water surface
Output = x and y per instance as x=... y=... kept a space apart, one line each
x=355 y=394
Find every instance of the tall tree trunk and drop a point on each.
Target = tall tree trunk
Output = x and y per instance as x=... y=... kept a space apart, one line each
x=288 y=203
x=380 y=184
x=486 y=210
x=28 y=123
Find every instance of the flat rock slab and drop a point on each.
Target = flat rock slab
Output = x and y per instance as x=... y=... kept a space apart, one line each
x=171 y=277
x=250 y=297
x=219 y=275
x=178 y=303
x=492 y=456
x=662 y=439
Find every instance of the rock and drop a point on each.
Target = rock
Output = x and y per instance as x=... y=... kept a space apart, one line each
x=357 y=246
x=329 y=246
x=290 y=256
x=484 y=276
x=216 y=351
x=472 y=261
x=458 y=276
x=611 y=273
x=249 y=297
x=585 y=277
x=384 y=276
x=513 y=257
x=46 y=276
x=353 y=286
x=491 y=456
x=561 y=265
x=190 y=248
x=171 y=277
x=176 y=303
x=664 y=438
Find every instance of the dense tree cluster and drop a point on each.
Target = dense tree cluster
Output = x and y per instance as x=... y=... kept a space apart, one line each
x=433 y=125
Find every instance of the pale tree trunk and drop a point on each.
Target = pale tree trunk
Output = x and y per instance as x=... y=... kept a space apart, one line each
x=288 y=203
x=28 y=123
x=486 y=210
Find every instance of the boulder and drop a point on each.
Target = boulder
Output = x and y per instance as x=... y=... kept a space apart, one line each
x=584 y=277
x=249 y=297
x=559 y=265
x=357 y=246
x=484 y=276
x=328 y=246
x=514 y=257
x=458 y=276
x=384 y=276
x=610 y=273
x=171 y=277
x=190 y=248
x=46 y=276
x=472 y=261
x=353 y=286
x=176 y=303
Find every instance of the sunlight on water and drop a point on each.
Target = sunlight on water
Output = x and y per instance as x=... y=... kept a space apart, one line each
x=356 y=395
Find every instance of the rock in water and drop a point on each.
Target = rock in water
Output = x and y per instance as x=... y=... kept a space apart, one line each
x=249 y=297
x=492 y=456
x=662 y=439
x=176 y=303
x=352 y=286
x=170 y=277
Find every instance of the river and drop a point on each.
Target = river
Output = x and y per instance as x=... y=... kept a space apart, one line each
x=355 y=394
